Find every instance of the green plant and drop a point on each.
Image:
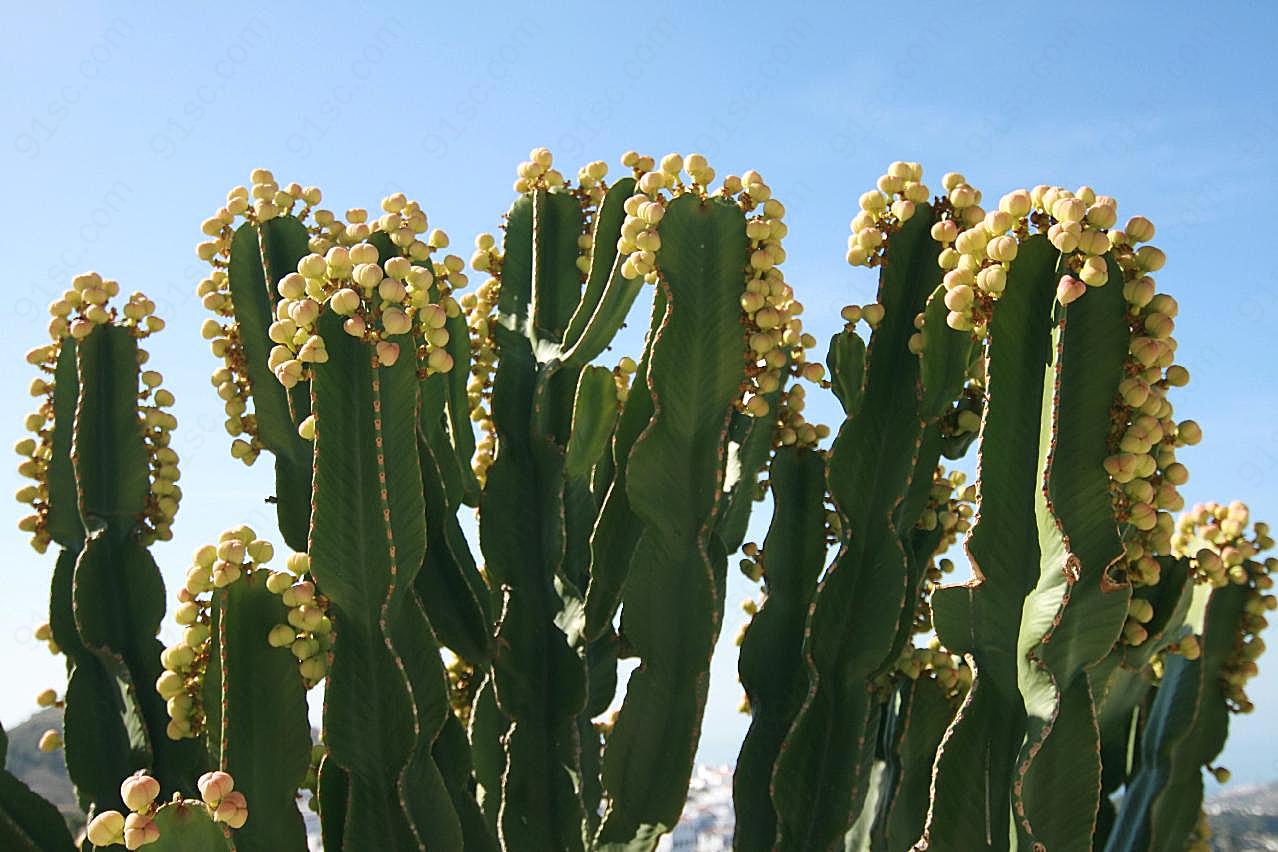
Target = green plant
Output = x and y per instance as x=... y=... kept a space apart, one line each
x=1098 y=648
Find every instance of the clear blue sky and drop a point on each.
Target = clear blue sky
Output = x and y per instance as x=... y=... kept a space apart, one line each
x=125 y=123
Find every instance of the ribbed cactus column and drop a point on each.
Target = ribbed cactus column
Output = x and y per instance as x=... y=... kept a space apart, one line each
x=1097 y=426
x=674 y=475
x=252 y=643
x=105 y=488
x=821 y=772
x=982 y=619
x=362 y=319
x=539 y=676
x=256 y=239
x=772 y=667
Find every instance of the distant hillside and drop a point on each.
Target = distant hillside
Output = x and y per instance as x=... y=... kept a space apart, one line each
x=1243 y=818
x=46 y=774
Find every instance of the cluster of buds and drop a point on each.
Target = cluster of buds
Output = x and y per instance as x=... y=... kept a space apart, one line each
x=950 y=671
x=949 y=507
x=225 y=803
x=309 y=632
x=139 y=793
x=979 y=246
x=1221 y=553
x=74 y=316
x=949 y=510
x=978 y=249
x=266 y=200
x=537 y=172
x=181 y=685
x=591 y=188
x=883 y=210
x=380 y=297
x=481 y=313
x=793 y=429
x=1145 y=476
x=776 y=341
x=623 y=375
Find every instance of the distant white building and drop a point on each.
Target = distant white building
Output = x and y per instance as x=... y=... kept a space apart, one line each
x=707 y=821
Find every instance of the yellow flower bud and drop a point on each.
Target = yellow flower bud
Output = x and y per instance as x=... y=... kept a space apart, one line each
x=106 y=829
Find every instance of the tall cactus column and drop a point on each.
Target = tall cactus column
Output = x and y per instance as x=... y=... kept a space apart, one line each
x=715 y=261
x=245 y=630
x=256 y=239
x=356 y=321
x=821 y=771
x=106 y=488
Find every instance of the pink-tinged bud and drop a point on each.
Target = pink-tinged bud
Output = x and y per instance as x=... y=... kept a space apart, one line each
x=232 y=810
x=139 y=830
x=1146 y=350
x=214 y=786
x=1142 y=516
x=289 y=373
x=106 y=829
x=992 y=279
x=138 y=791
x=1069 y=289
x=298 y=594
x=945 y=232
x=959 y=298
x=439 y=361
x=396 y=321
x=387 y=353
x=432 y=316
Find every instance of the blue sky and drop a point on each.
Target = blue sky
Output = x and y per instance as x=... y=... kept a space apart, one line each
x=125 y=123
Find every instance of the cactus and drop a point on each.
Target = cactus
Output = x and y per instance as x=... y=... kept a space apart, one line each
x=1098 y=647
x=105 y=486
